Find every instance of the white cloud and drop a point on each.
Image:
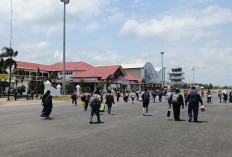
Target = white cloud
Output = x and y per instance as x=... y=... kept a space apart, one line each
x=191 y=24
x=58 y=55
x=50 y=12
x=117 y=17
x=92 y=27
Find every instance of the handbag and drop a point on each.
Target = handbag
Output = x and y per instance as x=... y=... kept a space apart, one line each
x=82 y=103
x=202 y=108
x=169 y=112
x=42 y=114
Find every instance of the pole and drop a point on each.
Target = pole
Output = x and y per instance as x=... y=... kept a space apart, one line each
x=193 y=75
x=162 y=53
x=63 y=76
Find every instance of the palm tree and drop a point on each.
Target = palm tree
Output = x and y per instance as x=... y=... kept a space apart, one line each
x=9 y=53
x=52 y=78
x=2 y=71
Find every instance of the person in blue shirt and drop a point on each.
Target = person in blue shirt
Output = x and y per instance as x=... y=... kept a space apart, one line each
x=192 y=100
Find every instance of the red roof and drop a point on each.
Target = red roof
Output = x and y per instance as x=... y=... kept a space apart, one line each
x=91 y=73
x=69 y=66
x=33 y=66
x=130 y=77
x=102 y=72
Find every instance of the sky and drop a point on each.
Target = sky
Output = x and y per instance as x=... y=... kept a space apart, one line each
x=191 y=33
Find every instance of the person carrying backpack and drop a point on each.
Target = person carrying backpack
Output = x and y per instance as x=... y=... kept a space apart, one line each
x=95 y=103
x=146 y=100
x=74 y=98
x=177 y=101
x=193 y=99
x=109 y=100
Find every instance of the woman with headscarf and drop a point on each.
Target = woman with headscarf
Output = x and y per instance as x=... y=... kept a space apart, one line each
x=47 y=105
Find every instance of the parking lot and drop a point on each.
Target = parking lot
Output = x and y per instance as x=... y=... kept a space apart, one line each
x=126 y=132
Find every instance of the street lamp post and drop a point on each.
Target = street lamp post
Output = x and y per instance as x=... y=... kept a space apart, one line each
x=193 y=75
x=63 y=74
x=162 y=82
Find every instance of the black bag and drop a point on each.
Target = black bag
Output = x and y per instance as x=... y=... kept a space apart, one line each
x=42 y=114
x=169 y=112
x=146 y=96
x=83 y=98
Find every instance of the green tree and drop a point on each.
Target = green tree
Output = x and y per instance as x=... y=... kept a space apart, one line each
x=41 y=87
x=68 y=86
x=100 y=85
x=184 y=86
x=8 y=54
x=19 y=75
x=210 y=86
x=2 y=71
x=52 y=78
x=21 y=89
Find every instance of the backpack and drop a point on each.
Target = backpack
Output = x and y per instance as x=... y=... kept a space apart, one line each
x=146 y=96
x=73 y=96
x=93 y=101
x=83 y=98
x=175 y=98
x=109 y=99
x=193 y=98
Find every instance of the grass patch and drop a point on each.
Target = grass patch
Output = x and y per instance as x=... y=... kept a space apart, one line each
x=62 y=98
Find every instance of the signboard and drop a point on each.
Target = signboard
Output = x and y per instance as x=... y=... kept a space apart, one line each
x=3 y=76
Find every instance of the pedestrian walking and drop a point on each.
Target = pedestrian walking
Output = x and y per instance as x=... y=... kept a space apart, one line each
x=168 y=97
x=220 y=96
x=177 y=101
x=230 y=97
x=160 y=95
x=146 y=100
x=225 y=96
x=202 y=93
x=32 y=95
x=192 y=100
x=209 y=96
x=15 y=94
x=47 y=105
x=95 y=103
x=185 y=93
x=132 y=96
x=118 y=95
x=109 y=101
x=85 y=97
x=153 y=93
x=74 y=98
x=137 y=94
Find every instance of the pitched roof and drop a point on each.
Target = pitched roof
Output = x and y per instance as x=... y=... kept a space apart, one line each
x=130 y=77
x=32 y=66
x=110 y=69
x=102 y=72
x=71 y=66
x=91 y=73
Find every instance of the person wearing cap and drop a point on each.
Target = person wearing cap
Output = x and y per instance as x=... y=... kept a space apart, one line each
x=177 y=101
x=193 y=99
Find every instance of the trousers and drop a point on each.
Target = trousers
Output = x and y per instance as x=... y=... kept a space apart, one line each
x=193 y=108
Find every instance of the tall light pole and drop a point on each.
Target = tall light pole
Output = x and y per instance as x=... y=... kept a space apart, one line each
x=193 y=75
x=162 y=54
x=63 y=73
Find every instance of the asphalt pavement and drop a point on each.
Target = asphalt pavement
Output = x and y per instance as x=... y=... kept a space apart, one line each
x=124 y=133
